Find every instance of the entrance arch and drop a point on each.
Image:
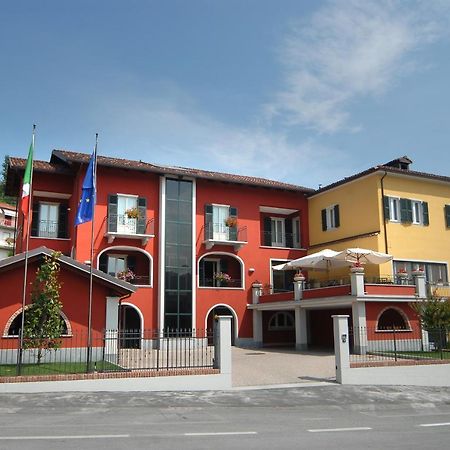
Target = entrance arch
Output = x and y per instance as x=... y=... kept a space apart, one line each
x=130 y=326
x=222 y=310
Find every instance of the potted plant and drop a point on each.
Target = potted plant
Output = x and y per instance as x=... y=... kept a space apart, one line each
x=126 y=275
x=357 y=267
x=230 y=222
x=222 y=278
x=132 y=213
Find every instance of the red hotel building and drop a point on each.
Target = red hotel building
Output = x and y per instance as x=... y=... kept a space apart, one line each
x=193 y=241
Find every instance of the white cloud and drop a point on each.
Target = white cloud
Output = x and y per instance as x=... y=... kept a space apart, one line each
x=347 y=50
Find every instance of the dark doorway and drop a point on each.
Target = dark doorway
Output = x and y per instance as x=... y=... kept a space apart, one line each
x=221 y=311
x=130 y=327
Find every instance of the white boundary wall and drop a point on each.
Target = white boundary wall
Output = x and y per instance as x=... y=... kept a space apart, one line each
x=417 y=375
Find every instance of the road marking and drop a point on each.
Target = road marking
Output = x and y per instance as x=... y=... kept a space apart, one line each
x=444 y=424
x=221 y=433
x=328 y=430
x=92 y=436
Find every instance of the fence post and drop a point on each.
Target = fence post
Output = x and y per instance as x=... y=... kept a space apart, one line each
x=341 y=346
x=222 y=343
x=395 y=343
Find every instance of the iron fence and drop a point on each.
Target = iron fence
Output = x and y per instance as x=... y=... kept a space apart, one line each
x=398 y=345
x=111 y=351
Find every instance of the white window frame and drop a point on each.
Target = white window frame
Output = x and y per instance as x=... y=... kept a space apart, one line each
x=417 y=214
x=276 y=327
x=274 y=242
x=128 y=225
x=331 y=218
x=394 y=209
x=55 y=234
x=296 y=234
x=117 y=256
x=222 y=233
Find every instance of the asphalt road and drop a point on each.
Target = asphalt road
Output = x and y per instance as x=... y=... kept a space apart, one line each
x=329 y=416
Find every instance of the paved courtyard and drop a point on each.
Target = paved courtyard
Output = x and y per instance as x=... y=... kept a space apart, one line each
x=256 y=367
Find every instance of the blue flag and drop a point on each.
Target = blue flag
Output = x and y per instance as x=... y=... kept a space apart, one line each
x=85 y=212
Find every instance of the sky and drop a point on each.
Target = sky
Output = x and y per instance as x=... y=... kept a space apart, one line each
x=305 y=92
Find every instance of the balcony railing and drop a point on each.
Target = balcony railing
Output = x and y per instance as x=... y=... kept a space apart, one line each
x=140 y=280
x=49 y=229
x=287 y=240
x=120 y=225
x=218 y=233
x=211 y=282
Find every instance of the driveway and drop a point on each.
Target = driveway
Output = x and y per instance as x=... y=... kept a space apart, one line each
x=267 y=366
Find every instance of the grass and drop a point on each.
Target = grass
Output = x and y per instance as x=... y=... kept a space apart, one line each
x=10 y=370
x=418 y=355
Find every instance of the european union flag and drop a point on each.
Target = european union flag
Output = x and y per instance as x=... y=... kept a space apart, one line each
x=85 y=212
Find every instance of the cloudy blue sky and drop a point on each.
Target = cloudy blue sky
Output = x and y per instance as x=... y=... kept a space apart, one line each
x=301 y=91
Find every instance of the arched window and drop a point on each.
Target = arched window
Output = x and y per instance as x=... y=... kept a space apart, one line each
x=282 y=321
x=392 y=318
x=14 y=328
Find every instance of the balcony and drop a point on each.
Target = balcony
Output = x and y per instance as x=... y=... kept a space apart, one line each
x=49 y=229
x=122 y=226
x=220 y=271
x=217 y=233
x=284 y=240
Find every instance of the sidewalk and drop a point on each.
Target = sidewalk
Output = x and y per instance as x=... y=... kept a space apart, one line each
x=269 y=366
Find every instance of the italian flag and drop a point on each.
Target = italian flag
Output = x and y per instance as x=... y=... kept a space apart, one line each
x=26 y=185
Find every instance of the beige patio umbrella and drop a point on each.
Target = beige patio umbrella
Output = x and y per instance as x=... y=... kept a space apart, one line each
x=323 y=260
x=362 y=256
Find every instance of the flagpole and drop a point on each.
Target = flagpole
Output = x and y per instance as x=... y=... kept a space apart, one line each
x=24 y=291
x=89 y=349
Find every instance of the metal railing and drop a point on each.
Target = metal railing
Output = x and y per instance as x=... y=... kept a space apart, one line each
x=112 y=351
x=220 y=232
x=48 y=229
x=440 y=290
x=398 y=345
x=212 y=282
x=288 y=240
x=140 y=280
x=128 y=225
x=315 y=284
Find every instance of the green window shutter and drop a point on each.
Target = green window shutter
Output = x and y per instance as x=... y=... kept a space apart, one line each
x=426 y=216
x=103 y=263
x=35 y=220
x=232 y=233
x=112 y=213
x=447 y=215
x=209 y=226
x=267 y=231
x=62 y=221
x=386 y=207
x=324 y=219
x=337 y=221
x=405 y=210
x=142 y=215
x=289 y=238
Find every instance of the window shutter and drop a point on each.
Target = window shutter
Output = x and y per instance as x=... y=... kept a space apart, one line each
x=386 y=208
x=324 y=220
x=426 y=216
x=131 y=263
x=103 y=263
x=447 y=215
x=336 y=216
x=35 y=220
x=232 y=233
x=224 y=265
x=112 y=213
x=142 y=215
x=289 y=238
x=62 y=221
x=209 y=227
x=201 y=273
x=405 y=210
x=267 y=231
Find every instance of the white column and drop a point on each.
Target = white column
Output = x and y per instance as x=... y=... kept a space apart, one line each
x=359 y=327
x=419 y=280
x=257 y=328
x=222 y=357
x=256 y=292
x=341 y=347
x=357 y=281
x=299 y=281
x=111 y=325
x=301 y=332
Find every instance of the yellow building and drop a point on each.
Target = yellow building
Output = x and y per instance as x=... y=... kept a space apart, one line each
x=391 y=209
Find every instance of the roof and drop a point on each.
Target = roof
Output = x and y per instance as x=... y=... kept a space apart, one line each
x=119 y=285
x=384 y=168
x=7 y=206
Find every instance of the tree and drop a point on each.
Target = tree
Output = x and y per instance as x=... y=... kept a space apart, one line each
x=3 y=197
x=43 y=323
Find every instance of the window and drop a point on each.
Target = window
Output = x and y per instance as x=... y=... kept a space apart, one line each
x=221 y=223
x=330 y=218
x=392 y=318
x=434 y=272
x=208 y=269
x=447 y=215
x=296 y=240
x=277 y=232
x=49 y=220
x=282 y=280
x=116 y=264
x=220 y=215
x=127 y=214
x=405 y=210
x=281 y=321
